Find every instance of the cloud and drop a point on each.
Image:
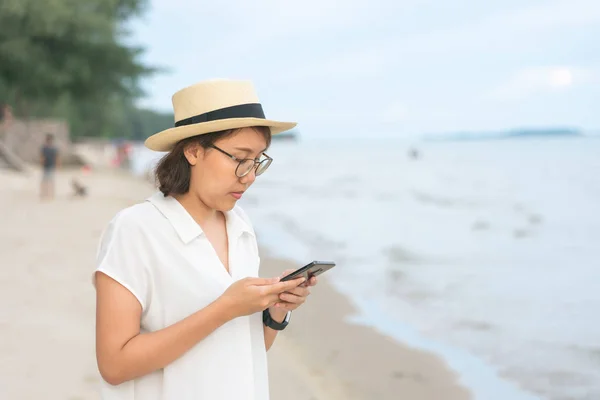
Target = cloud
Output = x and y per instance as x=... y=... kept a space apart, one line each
x=277 y=18
x=509 y=31
x=540 y=80
x=395 y=62
x=504 y=28
x=259 y=24
x=504 y=34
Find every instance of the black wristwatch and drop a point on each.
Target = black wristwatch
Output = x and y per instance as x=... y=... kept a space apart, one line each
x=271 y=323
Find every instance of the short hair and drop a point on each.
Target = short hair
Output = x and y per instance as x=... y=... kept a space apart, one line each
x=173 y=172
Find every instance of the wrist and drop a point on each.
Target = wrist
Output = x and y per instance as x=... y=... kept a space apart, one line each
x=278 y=314
x=226 y=308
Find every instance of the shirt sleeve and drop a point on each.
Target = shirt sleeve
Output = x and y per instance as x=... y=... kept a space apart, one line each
x=122 y=255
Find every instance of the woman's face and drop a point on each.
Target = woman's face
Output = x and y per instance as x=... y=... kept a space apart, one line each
x=213 y=178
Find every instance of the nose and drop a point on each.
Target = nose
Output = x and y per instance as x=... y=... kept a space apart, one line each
x=249 y=178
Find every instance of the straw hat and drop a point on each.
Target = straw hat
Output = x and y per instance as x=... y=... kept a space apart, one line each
x=213 y=106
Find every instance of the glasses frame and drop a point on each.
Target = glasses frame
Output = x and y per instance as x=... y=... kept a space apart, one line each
x=256 y=162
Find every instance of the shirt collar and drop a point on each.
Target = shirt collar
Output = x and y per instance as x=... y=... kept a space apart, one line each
x=186 y=227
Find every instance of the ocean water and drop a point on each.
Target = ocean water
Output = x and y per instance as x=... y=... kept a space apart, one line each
x=484 y=252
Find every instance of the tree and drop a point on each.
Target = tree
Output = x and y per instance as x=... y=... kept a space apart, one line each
x=68 y=57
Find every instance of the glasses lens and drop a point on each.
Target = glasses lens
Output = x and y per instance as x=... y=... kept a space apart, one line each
x=262 y=167
x=244 y=167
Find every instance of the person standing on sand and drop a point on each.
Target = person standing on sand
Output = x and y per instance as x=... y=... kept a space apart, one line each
x=180 y=310
x=49 y=162
x=6 y=117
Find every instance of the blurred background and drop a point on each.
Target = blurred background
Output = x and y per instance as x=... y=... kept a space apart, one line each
x=447 y=158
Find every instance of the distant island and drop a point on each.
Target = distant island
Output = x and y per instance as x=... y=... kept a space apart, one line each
x=291 y=135
x=510 y=134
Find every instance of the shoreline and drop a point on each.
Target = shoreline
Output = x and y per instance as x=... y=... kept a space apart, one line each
x=377 y=367
x=49 y=250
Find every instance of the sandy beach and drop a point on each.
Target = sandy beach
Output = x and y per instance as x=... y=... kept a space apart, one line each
x=47 y=313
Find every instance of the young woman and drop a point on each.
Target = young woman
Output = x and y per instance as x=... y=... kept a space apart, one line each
x=181 y=312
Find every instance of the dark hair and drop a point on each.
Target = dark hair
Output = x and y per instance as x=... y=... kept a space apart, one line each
x=173 y=171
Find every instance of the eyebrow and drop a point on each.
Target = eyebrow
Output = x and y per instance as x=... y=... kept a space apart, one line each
x=248 y=150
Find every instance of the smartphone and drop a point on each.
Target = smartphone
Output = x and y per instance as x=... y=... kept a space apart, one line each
x=308 y=271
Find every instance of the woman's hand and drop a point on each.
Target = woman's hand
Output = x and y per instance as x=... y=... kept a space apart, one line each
x=293 y=298
x=250 y=295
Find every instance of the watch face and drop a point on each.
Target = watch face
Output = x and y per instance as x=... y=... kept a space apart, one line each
x=287 y=317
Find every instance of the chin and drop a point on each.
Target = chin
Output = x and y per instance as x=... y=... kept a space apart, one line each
x=226 y=205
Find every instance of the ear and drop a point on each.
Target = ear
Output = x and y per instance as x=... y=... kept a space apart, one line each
x=193 y=153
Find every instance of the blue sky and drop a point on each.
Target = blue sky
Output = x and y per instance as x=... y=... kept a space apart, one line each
x=387 y=67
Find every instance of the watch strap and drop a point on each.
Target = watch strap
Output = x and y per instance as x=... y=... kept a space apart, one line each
x=271 y=323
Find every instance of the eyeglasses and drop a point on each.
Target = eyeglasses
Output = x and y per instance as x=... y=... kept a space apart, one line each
x=245 y=165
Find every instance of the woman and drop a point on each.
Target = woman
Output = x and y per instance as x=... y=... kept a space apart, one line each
x=181 y=313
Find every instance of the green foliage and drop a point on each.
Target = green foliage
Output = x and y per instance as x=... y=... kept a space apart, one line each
x=67 y=58
x=148 y=122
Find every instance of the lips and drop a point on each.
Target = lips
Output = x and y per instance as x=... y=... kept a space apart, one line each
x=237 y=195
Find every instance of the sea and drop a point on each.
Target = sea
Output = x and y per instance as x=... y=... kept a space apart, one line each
x=485 y=252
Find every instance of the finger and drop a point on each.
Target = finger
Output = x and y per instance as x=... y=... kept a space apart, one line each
x=300 y=291
x=292 y=298
x=263 y=281
x=281 y=287
x=312 y=281
x=286 y=306
x=286 y=272
x=269 y=300
x=273 y=300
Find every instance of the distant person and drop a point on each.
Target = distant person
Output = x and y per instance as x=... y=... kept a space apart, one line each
x=414 y=153
x=6 y=114
x=181 y=312
x=50 y=161
x=6 y=117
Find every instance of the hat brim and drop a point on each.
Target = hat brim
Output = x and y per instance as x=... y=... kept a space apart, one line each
x=165 y=140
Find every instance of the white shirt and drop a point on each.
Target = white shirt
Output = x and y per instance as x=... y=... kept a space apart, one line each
x=160 y=254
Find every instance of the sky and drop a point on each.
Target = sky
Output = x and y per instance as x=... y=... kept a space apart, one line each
x=395 y=68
